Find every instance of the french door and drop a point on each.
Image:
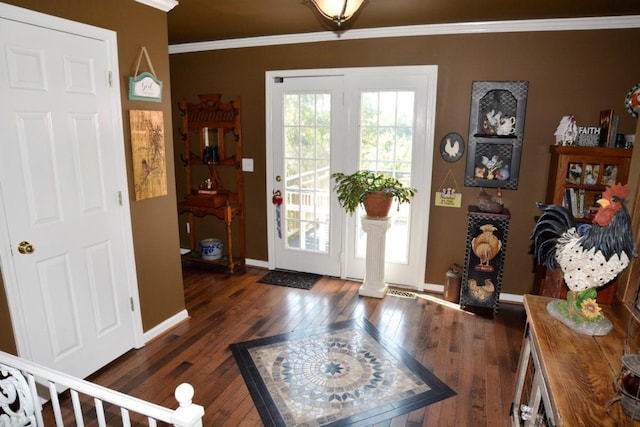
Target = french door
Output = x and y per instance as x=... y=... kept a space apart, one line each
x=324 y=121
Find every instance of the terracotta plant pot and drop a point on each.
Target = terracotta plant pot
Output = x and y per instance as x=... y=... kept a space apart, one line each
x=377 y=205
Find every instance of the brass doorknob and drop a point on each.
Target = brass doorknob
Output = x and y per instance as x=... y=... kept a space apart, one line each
x=25 y=247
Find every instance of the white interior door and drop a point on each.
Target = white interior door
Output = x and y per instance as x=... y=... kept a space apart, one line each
x=307 y=117
x=381 y=119
x=63 y=190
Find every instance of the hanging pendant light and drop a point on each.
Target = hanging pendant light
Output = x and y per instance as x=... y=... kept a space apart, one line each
x=337 y=10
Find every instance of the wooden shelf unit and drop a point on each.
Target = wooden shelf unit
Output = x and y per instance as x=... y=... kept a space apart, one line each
x=551 y=283
x=588 y=158
x=222 y=121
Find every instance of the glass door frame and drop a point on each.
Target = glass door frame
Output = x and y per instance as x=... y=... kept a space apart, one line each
x=421 y=175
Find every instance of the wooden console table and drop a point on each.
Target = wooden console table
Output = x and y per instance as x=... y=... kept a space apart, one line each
x=567 y=377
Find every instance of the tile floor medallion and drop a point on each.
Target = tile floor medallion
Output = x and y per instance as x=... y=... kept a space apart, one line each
x=343 y=374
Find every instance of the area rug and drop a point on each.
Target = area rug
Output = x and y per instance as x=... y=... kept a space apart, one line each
x=292 y=279
x=342 y=374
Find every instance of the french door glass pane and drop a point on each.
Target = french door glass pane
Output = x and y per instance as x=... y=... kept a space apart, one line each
x=307 y=130
x=386 y=143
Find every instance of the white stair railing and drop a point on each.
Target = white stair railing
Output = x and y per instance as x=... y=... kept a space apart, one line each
x=20 y=404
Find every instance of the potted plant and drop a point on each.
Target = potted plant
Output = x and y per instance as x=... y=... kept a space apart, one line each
x=374 y=190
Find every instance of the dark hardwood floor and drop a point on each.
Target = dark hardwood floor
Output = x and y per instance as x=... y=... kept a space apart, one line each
x=475 y=355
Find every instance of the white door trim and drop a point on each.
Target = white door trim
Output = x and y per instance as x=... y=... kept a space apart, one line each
x=6 y=265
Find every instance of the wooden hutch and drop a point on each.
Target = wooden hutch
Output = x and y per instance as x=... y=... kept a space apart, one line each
x=212 y=141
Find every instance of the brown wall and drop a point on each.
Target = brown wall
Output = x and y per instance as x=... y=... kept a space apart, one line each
x=579 y=72
x=154 y=221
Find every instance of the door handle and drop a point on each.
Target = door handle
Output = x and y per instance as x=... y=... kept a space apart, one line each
x=25 y=247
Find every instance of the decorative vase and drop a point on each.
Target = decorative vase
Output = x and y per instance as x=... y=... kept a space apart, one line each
x=211 y=249
x=377 y=205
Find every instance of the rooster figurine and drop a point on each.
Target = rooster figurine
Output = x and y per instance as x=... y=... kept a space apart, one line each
x=587 y=261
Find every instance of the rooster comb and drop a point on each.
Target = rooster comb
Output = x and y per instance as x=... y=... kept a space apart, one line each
x=616 y=190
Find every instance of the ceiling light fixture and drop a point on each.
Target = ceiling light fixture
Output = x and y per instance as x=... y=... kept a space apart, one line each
x=337 y=10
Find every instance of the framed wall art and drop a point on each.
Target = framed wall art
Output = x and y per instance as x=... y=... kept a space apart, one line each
x=148 y=154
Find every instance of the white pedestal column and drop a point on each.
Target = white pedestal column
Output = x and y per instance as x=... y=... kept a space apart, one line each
x=373 y=284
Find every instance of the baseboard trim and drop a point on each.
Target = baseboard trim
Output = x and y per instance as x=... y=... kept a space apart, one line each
x=164 y=326
x=508 y=298
x=256 y=263
x=430 y=287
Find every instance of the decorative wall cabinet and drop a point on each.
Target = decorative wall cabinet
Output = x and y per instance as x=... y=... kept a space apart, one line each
x=484 y=259
x=496 y=131
x=213 y=141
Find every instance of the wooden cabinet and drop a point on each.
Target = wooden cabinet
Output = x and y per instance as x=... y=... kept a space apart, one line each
x=587 y=171
x=212 y=143
x=565 y=378
x=577 y=178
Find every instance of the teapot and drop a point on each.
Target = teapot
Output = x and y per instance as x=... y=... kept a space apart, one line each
x=506 y=126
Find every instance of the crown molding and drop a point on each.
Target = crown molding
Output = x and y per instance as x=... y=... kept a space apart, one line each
x=531 y=25
x=164 y=5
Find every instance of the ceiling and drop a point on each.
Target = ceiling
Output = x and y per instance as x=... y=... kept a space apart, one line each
x=210 y=20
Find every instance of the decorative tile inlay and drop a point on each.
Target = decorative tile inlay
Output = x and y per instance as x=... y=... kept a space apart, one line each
x=317 y=378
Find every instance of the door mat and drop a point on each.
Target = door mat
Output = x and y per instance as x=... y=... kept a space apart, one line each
x=342 y=374
x=292 y=279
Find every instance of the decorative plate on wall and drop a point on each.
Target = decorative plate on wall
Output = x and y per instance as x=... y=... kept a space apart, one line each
x=632 y=101
x=452 y=147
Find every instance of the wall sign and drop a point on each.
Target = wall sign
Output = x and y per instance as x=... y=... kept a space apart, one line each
x=145 y=86
x=448 y=195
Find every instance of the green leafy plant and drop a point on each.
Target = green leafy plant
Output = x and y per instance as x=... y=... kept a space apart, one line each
x=352 y=189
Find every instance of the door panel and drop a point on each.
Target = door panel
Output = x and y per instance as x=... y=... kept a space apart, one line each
x=392 y=139
x=59 y=185
x=306 y=116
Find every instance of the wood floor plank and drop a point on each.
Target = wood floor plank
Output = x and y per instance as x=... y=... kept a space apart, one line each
x=476 y=356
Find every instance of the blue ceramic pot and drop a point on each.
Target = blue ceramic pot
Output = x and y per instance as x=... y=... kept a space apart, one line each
x=211 y=249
